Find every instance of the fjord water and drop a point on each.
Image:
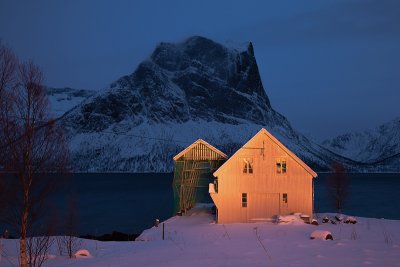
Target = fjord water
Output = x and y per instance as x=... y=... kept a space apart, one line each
x=127 y=203
x=373 y=195
x=131 y=202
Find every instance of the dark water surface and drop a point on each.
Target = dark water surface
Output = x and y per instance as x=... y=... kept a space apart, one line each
x=370 y=195
x=122 y=202
x=130 y=203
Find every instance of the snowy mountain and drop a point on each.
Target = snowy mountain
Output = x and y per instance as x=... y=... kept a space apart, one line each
x=184 y=91
x=63 y=99
x=379 y=145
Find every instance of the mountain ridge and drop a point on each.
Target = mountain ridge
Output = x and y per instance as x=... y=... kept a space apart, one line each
x=375 y=145
x=184 y=91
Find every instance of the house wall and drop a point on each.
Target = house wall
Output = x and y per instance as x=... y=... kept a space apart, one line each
x=264 y=187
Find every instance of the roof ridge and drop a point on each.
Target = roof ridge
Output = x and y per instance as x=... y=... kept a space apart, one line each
x=276 y=141
x=216 y=150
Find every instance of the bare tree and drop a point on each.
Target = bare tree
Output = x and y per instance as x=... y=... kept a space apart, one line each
x=338 y=186
x=70 y=243
x=8 y=66
x=38 y=247
x=32 y=145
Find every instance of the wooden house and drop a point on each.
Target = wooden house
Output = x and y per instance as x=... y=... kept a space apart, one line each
x=193 y=169
x=261 y=180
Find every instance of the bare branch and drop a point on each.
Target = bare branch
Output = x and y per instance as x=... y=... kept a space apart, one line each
x=8 y=64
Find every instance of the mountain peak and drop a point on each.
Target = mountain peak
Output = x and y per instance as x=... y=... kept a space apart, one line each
x=250 y=49
x=238 y=70
x=192 y=80
x=200 y=40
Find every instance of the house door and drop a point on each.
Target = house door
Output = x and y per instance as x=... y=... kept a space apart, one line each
x=263 y=206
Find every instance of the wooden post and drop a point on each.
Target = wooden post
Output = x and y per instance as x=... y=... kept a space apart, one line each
x=1 y=247
x=163 y=231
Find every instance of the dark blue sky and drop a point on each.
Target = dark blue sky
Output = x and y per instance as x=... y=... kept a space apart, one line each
x=328 y=66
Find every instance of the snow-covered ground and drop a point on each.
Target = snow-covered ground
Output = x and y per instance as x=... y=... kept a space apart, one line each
x=195 y=240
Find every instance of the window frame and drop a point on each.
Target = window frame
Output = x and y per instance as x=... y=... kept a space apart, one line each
x=248 y=166
x=244 y=200
x=281 y=166
x=285 y=199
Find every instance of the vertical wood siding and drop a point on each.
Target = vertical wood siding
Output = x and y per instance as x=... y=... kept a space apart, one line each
x=264 y=186
x=201 y=152
x=193 y=172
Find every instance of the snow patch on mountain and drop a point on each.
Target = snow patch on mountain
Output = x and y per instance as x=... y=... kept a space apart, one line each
x=63 y=99
x=379 y=144
x=150 y=147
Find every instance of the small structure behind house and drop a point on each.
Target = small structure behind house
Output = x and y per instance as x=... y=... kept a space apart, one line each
x=193 y=168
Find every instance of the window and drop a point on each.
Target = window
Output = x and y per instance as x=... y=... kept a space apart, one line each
x=247 y=165
x=244 y=200
x=284 y=199
x=281 y=166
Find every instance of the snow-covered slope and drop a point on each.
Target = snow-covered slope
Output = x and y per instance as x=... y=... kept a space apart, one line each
x=63 y=99
x=380 y=145
x=184 y=91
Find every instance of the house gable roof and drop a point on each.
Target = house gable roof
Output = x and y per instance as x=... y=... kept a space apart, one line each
x=200 y=141
x=277 y=142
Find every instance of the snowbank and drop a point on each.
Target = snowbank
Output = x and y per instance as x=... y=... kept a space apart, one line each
x=82 y=253
x=295 y=218
x=321 y=234
x=196 y=240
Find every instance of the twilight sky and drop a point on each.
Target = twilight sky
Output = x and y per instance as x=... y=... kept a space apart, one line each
x=329 y=66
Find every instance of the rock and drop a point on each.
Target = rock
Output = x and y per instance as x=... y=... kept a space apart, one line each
x=339 y=217
x=350 y=219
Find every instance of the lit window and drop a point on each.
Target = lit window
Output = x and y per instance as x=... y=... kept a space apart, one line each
x=281 y=166
x=284 y=198
x=247 y=166
x=244 y=200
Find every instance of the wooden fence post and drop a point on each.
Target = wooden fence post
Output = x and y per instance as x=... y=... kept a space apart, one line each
x=163 y=231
